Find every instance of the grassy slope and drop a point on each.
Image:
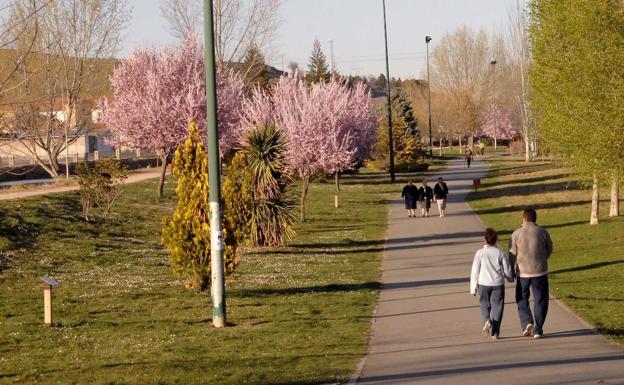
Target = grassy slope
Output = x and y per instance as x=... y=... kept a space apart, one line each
x=587 y=267
x=300 y=315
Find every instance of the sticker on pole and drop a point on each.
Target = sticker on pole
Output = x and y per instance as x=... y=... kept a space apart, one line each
x=216 y=240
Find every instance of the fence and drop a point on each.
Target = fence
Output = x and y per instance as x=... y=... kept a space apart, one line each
x=13 y=161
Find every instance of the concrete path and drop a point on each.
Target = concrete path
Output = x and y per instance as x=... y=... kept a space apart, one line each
x=427 y=329
x=133 y=177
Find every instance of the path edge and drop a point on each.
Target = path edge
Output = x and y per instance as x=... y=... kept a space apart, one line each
x=360 y=366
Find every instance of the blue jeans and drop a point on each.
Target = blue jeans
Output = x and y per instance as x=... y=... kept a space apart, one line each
x=539 y=287
x=492 y=302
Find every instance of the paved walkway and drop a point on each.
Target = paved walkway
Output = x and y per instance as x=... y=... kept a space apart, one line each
x=133 y=177
x=428 y=327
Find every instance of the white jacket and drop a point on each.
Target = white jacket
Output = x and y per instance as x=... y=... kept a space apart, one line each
x=489 y=268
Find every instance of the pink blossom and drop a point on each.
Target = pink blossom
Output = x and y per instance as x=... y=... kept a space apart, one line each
x=157 y=92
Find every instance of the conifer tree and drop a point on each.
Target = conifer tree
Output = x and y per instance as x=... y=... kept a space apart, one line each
x=254 y=68
x=405 y=132
x=187 y=234
x=318 y=70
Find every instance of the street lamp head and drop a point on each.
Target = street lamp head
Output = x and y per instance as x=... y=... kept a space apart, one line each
x=427 y=39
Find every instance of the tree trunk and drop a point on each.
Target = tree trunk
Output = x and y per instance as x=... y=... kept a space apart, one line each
x=527 y=150
x=495 y=144
x=440 y=139
x=337 y=179
x=304 y=193
x=614 y=209
x=164 y=160
x=595 y=208
x=460 y=144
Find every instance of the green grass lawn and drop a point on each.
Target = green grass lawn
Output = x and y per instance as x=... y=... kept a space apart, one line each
x=298 y=315
x=587 y=266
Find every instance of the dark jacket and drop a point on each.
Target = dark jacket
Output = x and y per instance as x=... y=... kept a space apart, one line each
x=440 y=191
x=425 y=193
x=409 y=191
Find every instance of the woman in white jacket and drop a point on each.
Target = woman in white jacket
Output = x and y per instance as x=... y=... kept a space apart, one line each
x=489 y=270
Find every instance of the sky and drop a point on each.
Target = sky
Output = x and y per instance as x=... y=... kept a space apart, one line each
x=354 y=26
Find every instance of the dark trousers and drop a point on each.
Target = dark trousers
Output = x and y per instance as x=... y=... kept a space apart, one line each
x=492 y=301
x=539 y=287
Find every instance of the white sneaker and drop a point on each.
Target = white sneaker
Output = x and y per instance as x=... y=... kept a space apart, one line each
x=487 y=328
x=528 y=330
x=538 y=336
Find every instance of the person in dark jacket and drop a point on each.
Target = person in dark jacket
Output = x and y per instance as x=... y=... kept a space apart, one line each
x=425 y=195
x=468 y=155
x=410 y=194
x=440 y=194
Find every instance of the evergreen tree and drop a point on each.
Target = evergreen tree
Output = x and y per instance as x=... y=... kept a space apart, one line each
x=187 y=234
x=254 y=68
x=318 y=71
x=405 y=132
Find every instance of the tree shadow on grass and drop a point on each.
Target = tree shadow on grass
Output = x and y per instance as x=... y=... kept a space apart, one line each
x=536 y=206
x=346 y=287
x=528 y=180
x=587 y=267
x=524 y=190
x=16 y=232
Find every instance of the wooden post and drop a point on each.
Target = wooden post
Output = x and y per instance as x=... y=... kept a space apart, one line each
x=47 y=305
x=48 y=282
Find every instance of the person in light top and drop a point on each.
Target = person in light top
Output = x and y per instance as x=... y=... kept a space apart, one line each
x=490 y=268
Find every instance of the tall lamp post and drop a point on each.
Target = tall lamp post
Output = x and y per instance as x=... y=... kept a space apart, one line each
x=427 y=40
x=217 y=290
x=390 y=139
x=494 y=107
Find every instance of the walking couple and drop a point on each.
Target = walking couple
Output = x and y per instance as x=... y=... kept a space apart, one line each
x=529 y=249
x=425 y=195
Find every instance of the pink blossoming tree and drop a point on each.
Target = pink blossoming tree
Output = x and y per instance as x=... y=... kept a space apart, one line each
x=496 y=123
x=329 y=126
x=157 y=92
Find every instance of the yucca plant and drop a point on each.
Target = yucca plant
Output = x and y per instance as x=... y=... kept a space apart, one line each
x=272 y=212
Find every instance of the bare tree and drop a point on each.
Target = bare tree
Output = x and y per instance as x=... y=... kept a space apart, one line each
x=18 y=34
x=519 y=54
x=461 y=71
x=238 y=24
x=75 y=45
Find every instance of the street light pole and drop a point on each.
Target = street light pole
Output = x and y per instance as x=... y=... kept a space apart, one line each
x=427 y=40
x=494 y=107
x=217 y=290
x=390 y=138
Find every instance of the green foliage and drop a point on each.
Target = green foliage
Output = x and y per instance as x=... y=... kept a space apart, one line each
x=272 y=212
x=187 y=234
x=237 y=200
x=100 y=184
x=318 y=71
x=254 y=68
x=578 y=82
x=406 y=135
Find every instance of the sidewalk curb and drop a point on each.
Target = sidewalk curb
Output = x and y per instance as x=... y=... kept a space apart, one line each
x=360 y=366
